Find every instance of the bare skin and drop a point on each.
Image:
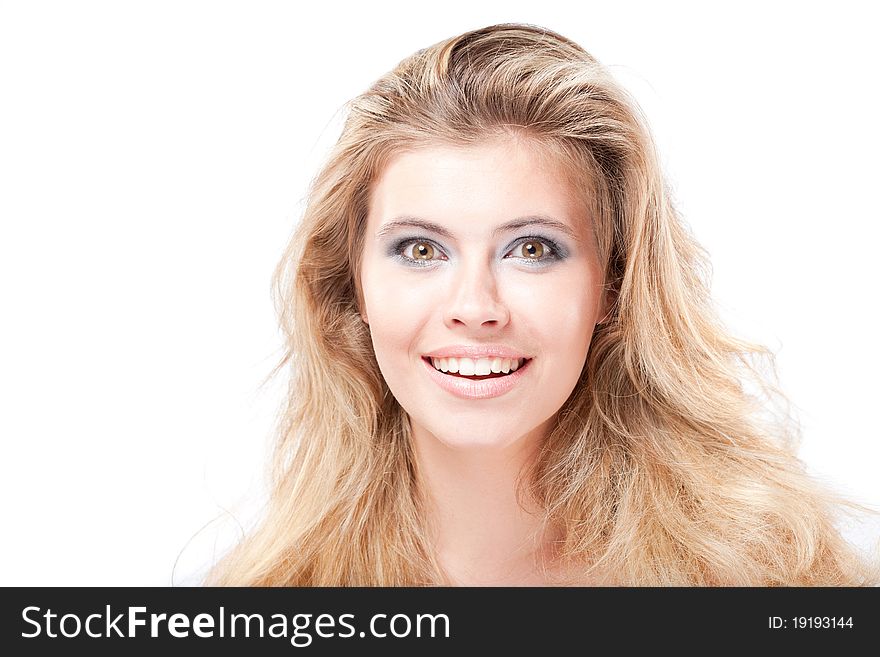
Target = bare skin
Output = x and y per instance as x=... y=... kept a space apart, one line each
x=485 y=536
x=479 y=287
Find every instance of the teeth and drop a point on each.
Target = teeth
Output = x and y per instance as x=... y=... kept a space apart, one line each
x=479 y=367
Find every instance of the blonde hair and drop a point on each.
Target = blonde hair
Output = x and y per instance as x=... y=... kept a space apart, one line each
x=663 y=468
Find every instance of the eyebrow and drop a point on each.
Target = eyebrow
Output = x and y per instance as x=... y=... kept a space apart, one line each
x=519 y=222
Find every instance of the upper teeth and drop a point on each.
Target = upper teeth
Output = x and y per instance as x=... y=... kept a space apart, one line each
x=479 y=366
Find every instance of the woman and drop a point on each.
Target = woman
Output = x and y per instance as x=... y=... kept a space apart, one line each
x=505 y=366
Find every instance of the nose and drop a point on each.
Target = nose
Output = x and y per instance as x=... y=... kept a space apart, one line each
x=474 y=299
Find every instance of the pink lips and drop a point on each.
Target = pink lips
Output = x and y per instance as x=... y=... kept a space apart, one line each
x=475 y=389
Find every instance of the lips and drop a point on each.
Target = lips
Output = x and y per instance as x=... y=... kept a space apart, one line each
x=478 y=387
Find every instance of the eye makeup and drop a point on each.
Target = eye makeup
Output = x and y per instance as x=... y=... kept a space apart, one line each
x=556 y=253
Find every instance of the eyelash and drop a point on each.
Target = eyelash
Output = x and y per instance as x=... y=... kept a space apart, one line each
x=555 y=251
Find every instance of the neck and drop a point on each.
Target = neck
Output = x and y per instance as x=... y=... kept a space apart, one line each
x=484 y=535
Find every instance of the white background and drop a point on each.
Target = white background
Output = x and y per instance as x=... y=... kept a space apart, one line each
x=154 y=157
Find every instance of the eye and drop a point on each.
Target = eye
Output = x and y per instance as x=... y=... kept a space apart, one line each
x=537 y=251
x=531 y=249
x=416 y=251
x=421 y=251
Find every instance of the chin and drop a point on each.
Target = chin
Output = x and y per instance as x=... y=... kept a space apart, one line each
x=465 y=437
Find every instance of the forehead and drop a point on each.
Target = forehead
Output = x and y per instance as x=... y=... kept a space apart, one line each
x=469 y=188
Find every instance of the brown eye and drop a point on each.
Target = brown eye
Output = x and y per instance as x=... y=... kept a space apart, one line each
x=532 y=250
x=422 y=251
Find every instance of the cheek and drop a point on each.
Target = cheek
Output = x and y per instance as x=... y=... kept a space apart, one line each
x=562 y=324
x=563 y=308
x=395 y=307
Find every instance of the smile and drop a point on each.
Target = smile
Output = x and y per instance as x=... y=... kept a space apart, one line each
x=479 y=367
x=461 y=378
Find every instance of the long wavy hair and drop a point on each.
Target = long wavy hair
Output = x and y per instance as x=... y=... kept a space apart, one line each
x=671 y=463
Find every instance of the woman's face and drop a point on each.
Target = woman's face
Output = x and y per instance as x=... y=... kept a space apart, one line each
x=469 y=282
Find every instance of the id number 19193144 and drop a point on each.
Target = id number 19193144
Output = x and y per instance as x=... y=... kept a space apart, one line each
x=810 y=622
